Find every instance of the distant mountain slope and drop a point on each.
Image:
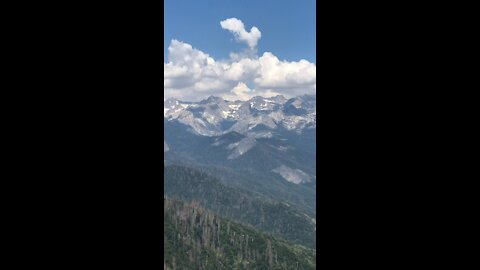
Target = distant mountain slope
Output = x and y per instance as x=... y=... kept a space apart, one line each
x=261 y=212
x=195 y=238
x=239 y=151
x=301 y=196
x=280 y=167
x=267 y=135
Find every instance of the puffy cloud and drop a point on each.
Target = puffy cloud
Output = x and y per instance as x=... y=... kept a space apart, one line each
x=237 y=27
x=276 y=74
x=191 y=74
x=239 y=92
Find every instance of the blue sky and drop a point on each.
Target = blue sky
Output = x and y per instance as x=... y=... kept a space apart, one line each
x=238 y=49
x=288 y=26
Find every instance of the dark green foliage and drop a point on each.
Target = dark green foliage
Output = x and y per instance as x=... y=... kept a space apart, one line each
x=263 y=213
x=195 y=238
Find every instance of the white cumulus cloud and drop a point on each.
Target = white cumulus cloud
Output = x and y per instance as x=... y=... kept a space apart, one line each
x=237 y=27
x=191 y=74
x=239 y=92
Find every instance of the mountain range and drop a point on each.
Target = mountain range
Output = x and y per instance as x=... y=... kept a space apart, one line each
x=269 y=135
x=250 y=163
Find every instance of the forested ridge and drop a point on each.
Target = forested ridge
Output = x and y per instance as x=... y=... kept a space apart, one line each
x=196 y=238
x=261 y=212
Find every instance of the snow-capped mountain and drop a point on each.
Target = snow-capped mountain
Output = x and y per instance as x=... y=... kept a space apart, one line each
x=257 y=117
x=268 y=136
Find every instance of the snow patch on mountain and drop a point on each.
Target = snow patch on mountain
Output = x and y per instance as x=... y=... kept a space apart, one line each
x=295 y=176
x=241 y=147
x=165 y=147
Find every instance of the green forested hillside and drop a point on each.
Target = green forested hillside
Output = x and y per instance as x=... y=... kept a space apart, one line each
x=277 y=218
x=195 y=238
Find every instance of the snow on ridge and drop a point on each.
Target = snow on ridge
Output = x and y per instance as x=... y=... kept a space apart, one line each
x=217 y=116
x=241 y=147
x=295 y=176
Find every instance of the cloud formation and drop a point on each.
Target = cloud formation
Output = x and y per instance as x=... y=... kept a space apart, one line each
x=237 y=28
x=191 y=74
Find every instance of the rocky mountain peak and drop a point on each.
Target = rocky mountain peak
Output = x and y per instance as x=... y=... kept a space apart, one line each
x=215 y=116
